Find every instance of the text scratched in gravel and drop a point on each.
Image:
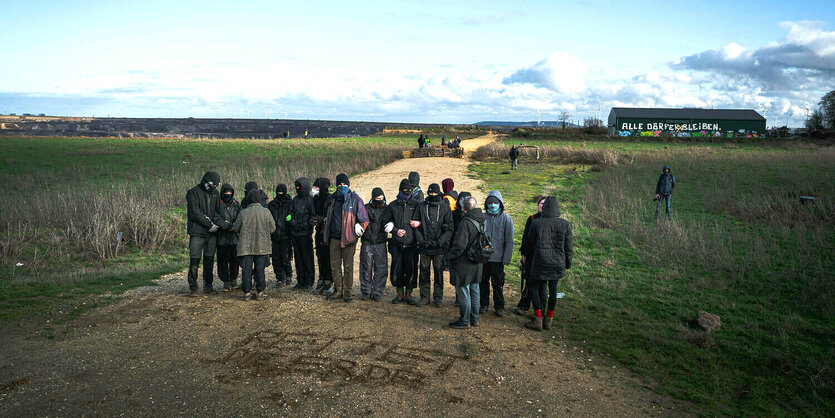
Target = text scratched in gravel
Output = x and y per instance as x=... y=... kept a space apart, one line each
x=270 y=353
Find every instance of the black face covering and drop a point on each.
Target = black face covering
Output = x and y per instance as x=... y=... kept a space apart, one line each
x=227 y=197
x=378 y=203
x=435 y=198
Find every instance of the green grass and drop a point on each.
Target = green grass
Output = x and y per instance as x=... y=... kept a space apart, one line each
x=740 y=247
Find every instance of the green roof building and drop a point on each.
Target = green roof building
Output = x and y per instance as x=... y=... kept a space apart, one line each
x=631 y=121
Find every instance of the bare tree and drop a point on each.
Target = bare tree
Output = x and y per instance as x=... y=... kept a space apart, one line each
x=564 y=117
x=592 y=122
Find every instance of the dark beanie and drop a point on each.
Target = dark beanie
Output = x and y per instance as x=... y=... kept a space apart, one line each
x=254 y=197
x=405 y=184
x=212 y=177
x=448 y=185
x=250 y=185
x=377 y=192
x=281 y=188
x=342 y=178
x=434 y=188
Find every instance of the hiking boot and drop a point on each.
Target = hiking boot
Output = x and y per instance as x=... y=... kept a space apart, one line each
x=474 y=324
x=421 y=302
x=279 y=283
x=320 y=287
x=333 y=296
x=209 y=291
x=246 y=297
x=288 y=282
x=347 y=299
x=436 y=303
x=458 y=325
x=535 y=324
x=192 y=293
x=364 y=297
x=518 y=311
x=260 y=296
x=546 y=323
x=482 y=310
x=234 y=285
x=226 y=287
x=409 y=299
x=376 y=298
x=397 y=299
x=306 y=288
x=499 y=312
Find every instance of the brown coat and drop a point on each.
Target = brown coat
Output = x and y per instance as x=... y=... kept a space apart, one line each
x=254 y=226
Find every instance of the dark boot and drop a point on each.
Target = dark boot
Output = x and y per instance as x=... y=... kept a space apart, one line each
x=397 y=299
x=546 y=323
x=535 y=324
x=320 y=286
x=193 y=267
x=409 y=299
x=227 y=286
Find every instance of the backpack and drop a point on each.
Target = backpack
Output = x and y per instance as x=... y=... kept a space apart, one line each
x=481 y=249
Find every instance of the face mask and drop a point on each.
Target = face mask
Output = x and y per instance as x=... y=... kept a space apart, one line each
x=315 y=191
x=378 y=203
x=492 y=208
x=434 y=198
x=209 y=186
x=342 y=190
x=227 y=197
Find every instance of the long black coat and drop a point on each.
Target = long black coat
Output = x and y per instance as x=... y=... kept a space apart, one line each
x=225 y=218
x=466 y=272
x=552 y=242
x=433 y=235
x=280 y=208
x=201 y=205
x=401 y=214
x=301 y=210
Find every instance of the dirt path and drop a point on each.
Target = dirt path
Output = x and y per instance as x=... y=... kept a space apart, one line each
x=158 y=353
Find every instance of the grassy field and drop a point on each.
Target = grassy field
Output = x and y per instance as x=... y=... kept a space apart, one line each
x=74 y=195
x=740 y=246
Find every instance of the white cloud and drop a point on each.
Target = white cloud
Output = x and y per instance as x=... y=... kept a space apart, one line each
x=560 y=72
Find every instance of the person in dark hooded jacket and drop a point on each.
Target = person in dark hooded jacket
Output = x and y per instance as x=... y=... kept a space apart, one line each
x=321 y=192
x=514 y=156
x=527 y=254
x=417 y=193
x=251 y=185
x=551 y=239
x=255 y=224
x=402 y=245
x=373 y=258
x=282 y=244
x=432 y=234
x=467 y=274
x=227 y=240
x=202 y=203
x=664 y=190
x=301 y=232
x=500 y=227
x=457 y=215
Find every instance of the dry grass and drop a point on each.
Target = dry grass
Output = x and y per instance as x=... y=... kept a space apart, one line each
x=603 y=157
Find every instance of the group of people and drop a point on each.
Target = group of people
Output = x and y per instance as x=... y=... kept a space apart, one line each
x=426 y=142
x=424 y=234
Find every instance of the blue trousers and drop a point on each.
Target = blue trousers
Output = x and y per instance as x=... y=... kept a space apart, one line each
x=668 y=198
x=468 y=303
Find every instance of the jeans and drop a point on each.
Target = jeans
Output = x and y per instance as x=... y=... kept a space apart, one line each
x=513 y=163
x=538 y=296
x=668 y=198
x=468 y=300
x=259 y=262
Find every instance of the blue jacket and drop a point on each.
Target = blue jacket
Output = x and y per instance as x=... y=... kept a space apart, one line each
x=500 y=228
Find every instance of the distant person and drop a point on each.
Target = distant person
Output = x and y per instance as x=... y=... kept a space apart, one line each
x=432 y=236
x=345 y=222
x=664 y=190
x=467 y=273
x=500 y=227
x=552 y=246
x=301 y=232
x=402 y=246
x=255 y=224
x=514 y=157
x=320 y=193
x=421 y=141
x=282 y=245
x=202 y=203
x=227 y=240
x=443 y=140
x=428 y=142
x=373 y=258
x=527 y=253
x=262 y=197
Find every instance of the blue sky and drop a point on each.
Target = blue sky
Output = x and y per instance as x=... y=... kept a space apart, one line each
x=428 y=61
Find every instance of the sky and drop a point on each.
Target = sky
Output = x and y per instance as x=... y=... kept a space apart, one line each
x=429 y=61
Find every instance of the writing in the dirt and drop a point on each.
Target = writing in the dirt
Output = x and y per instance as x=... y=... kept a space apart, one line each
x=270 y=353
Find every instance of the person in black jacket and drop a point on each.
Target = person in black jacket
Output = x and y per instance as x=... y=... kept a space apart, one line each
x=320 y=193
x=301 y=232
x=664 y=190
x=433 y=232
x=527 y=253
x=467 y=274
x=402 y=245
x=282 y=246
x=421 y=141
x=417 y=193
x=553 y=249
x=227 y=240
x=202 y=203
x=373 y=258
x=457 y=215
x=514 y=156
x=251 y=185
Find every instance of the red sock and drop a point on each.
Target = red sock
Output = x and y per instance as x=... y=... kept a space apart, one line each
x=550 y=313
x=537 y=313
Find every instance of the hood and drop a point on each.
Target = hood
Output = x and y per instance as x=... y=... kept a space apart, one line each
x=434 y=188
x=227 y=187
x=475 y=214
x=210 y=176
x=377 y=192
x=448 y=184
x=250 y=185
x=323 y=183
x=551 y=207
x=405 y=184
x=254 y=197
x=281 y=188
x=454 y=195
x=666 y=167
x=414 y=178
x=498 y=195
x=302 y=185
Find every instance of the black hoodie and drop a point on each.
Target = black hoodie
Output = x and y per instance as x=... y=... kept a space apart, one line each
x=401 y=214
x=666 y=182
x=436 y=227
x=378 y=217
x=320 y=201
x=417 y=193
x=226 y=216
x=280 y=208
x=202 y=204
x=466 y=272
x=251 y=185
x=552 y=242
x=301 y=210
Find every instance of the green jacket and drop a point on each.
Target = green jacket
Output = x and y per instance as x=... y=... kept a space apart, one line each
x=254 y=226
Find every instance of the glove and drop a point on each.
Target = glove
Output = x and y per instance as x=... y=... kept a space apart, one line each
x=213 y=228
x=389 y=227
x=288 y=218
x=358 y=229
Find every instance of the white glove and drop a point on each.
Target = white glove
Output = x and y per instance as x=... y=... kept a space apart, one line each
x=213 y=228
x=358 y=229
x=389 y=227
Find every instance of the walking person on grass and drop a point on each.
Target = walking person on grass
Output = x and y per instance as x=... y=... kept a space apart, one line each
x=664 y=190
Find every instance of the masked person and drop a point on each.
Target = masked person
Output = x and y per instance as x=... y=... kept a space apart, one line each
x=416 y=193
x=500 y=227
x=373 y=258
x=457 y=215
x=202 y=203
x=553 y=249
x=432 y=236
x=262 y=197
x=301 y=233
x=664 y=190
x=255 y=224
x=345 y=222
x=468 y=273
x=402 y=245
x=527 y=252
x=320 y=193
x=227 y=240
x=281 y=242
